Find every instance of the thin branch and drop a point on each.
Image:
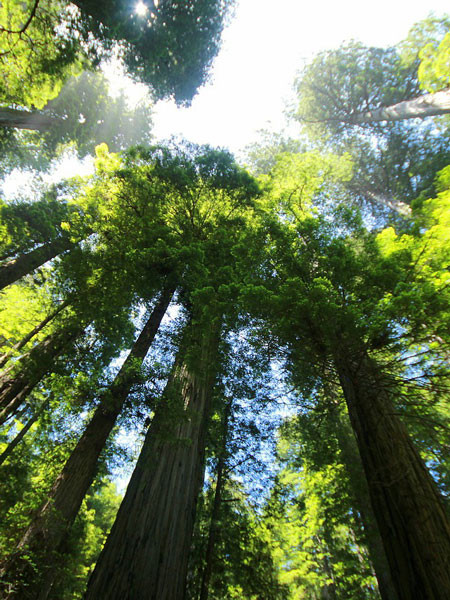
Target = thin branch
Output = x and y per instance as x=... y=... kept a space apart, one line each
x=27 y=23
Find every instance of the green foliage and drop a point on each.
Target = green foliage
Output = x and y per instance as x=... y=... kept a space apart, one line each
x=21 y=309
x=37 y=54
x=28 y=224
x=25 y=481
x=85 y=113
x=296 y=179
x=353 y=79
x=90 y=115
x=89 y=533
x=313 y=525
x=435 y=65
x=395 y=162
x=171 y=47
x=28 y=473
x=262 y=156
x=243 y=562
x=426 y=46
x=287 y=254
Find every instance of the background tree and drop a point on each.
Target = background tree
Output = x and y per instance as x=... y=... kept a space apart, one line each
x=320 y=462
x=337 y=336
x=356 y=85
x=82 y=115
x=170 y=47
x=37 y=55
x=395 y=162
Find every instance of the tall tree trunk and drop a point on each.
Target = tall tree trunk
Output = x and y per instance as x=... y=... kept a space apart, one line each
x=328 y=591
x=45 y=536
x=39 y=327
x=27 y=263
x=146 y=553
x=38 y=362
x=22 y=433
x=360 y=493
x=22 y=119
x=407 y=505
x=384 y=200
x=217 y=503
x=428 y=105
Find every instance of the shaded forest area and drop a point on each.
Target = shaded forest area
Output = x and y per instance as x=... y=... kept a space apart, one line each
x=262 y=347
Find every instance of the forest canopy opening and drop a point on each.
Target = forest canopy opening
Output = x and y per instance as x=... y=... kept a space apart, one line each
x=221 y=378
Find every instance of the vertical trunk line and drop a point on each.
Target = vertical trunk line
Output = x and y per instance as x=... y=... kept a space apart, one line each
x=407 y=506
x=146 y=553
x=217 y=503
x=46 y=535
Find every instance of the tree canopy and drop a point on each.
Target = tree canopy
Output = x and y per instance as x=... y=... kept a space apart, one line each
x=169 y=46
x=356 y=85
x=218 y=381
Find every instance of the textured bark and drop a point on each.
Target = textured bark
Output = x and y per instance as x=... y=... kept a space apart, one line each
x=27 y=263
x=17 y=347
x=428 y=105
x=15 y=384
x=217 y=503
x=146 y=553
x=21 y=119
x=46 y=535
x=406 y=503
x=360 y=492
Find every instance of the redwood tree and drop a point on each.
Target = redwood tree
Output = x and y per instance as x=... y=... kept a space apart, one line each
x=45 y=536
x=350 y=307
x=146 y=553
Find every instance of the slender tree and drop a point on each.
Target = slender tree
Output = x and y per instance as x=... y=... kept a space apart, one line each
x=29 y=336
x=217 y=501
x=50 y=526
x=18 y=381
x=22 y=433
x=359 y=491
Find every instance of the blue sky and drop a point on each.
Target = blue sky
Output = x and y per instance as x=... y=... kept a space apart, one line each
x=263 y=48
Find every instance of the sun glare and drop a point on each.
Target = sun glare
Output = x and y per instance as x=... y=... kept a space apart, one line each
x=140 y=9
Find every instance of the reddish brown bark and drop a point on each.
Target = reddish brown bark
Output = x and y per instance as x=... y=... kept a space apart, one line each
x=146 y=553
x=411 y=517
x=45 y=536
